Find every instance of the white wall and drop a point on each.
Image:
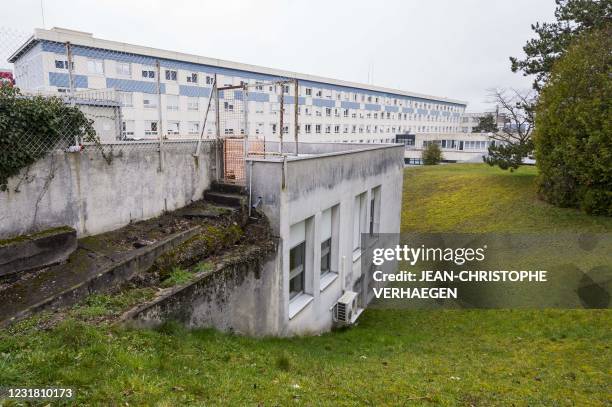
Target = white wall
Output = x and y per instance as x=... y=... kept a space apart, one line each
x=83 y=191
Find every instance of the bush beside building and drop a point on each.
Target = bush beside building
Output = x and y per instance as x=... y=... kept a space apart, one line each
x=573 y=135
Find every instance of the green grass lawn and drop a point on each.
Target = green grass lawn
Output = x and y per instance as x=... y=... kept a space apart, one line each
x=392 y=357
x=476 y=198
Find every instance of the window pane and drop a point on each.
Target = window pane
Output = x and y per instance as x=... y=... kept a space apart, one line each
x=296 y=257
x=296 y=270
x=325 y=256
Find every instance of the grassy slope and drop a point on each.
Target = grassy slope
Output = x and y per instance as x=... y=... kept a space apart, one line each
x=478 y=198
x=403 y=357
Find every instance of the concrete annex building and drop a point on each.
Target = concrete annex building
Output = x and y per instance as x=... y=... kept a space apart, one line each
x=329 y=110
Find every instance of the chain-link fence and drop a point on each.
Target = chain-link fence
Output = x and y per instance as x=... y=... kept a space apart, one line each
x=69 y=97
x=84 y=97
x=244 y=134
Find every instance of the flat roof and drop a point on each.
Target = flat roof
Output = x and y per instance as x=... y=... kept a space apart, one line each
x=60 y=35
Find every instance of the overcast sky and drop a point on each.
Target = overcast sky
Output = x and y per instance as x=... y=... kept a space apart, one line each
x=452 y=48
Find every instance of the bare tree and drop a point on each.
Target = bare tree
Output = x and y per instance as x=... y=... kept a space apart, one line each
x=513 y=139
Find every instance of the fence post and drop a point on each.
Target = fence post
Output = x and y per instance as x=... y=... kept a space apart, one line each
x=295 y=113
x=198 y=146
x=245 y=104
x=219 y=162
x=118 y=115
x=282 y=116
x=71 y=81
x=160 y=118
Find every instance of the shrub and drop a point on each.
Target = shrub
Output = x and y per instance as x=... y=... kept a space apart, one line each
x=432 y=154
x=30 y=127
x=573 y=135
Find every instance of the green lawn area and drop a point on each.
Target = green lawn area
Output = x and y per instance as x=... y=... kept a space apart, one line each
x=392 y=357
x=477 y=198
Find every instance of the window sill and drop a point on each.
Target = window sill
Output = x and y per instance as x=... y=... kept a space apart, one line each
x=327 y=279
x=297 y=304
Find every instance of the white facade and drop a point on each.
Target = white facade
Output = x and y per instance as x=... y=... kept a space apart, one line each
x=329 y=110
x=329 y=207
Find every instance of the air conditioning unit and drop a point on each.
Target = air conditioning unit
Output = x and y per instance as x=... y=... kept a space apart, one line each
x=346 y=311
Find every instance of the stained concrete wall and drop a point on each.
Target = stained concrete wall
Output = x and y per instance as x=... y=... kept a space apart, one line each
x=300 y=188
x=83 y=191
x=235 y=297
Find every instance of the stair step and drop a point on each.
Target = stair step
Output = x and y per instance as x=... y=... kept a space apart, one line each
x=224 y=198
x=228 y=188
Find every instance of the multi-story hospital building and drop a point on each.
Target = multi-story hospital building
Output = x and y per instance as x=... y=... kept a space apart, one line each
x=329 y=109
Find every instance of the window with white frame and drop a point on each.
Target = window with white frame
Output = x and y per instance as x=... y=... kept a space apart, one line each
x=326 y=241
x=150 y=128
x=59 y=64
x=308 y=128
x=126 y=99
x=374 y=221
x=149 y=101
x=193 y=103
x=123 y=69
x=297 y=259
x=359 y=220
x=192 y=77
x=193 y=128
x=127 y=128
x=148 y=72
x=173 y=128
x=95 y=66
x=172 y=102
x=171 y=75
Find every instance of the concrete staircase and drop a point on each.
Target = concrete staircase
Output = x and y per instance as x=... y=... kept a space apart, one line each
x=229 y=195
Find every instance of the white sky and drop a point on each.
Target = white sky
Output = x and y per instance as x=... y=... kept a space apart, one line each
x=452 y=48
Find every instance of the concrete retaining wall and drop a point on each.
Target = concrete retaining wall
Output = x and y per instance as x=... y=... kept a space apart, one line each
x=83 y=191
x=235 y=297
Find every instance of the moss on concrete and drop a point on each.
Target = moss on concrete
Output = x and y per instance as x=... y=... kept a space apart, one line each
x=210 y=241
x=34 y=236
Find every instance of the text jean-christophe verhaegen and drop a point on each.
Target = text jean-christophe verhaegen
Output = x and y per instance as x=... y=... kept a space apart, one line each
x=457 y=256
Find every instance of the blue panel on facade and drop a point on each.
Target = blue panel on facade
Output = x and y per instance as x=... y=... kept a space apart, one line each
x=445 y=113
x=407 y=110
x=370 y=106
x=421 y=111
x=193 y=91
x=434 y=112
x=301 y=101
x=349 y=105
x=59 y=48
x=323 y=103
x=393 y=109
x=259 y=97
x=61 y=80
x=130 y=85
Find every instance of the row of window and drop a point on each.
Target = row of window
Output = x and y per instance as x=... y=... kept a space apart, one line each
x=172 y=103
x=459 y=144
x=353 y=129
x=124 y=69
x=365 y=219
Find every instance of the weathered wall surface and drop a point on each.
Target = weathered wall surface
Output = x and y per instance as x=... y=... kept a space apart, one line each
x=83 y=191
x=302 y=188
x=240 y=296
